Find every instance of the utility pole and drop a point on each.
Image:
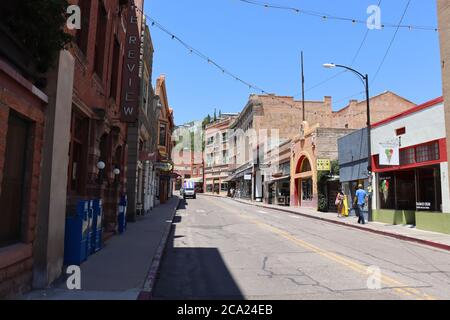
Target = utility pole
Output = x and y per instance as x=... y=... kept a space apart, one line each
x=303 y=91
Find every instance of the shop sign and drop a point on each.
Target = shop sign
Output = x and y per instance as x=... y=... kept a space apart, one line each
x=323 y=165
x=129 y=109
x=389 y=153
x=163 y=166
x=248 y=177
x=423 y=205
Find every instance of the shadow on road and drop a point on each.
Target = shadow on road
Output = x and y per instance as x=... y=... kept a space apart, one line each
x=193 y=273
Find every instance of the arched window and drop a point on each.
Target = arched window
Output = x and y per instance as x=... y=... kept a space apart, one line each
x=306 y=166
x=303 y=165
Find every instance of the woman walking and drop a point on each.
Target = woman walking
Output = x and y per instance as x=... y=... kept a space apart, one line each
x=340 y=202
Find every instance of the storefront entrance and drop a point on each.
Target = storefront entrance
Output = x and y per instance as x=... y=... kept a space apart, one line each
x=418 y=189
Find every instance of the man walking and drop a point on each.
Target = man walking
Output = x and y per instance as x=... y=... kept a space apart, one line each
x=360 y=200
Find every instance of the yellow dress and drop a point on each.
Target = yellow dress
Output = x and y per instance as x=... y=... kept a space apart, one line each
x=345 y=207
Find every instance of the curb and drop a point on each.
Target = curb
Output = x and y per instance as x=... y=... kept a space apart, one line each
x=147 y=289
x=379 y=232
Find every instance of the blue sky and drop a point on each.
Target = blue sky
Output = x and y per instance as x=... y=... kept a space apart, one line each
x=262 y=46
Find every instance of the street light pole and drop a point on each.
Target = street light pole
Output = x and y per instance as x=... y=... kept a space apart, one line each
x=365 y=80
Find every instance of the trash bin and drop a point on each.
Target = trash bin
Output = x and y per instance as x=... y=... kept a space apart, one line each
x=97 y=229
x=90 y=233
x=122 y=225
x=75 y=242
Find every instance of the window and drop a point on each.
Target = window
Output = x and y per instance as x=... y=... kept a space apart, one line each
x=417 y=189
x=224 y=137
x=427 y=152
x=407 y=156
x=115 y=70
x=209 y=188
x=162 y=134
x=307 y=190
x=12 y=194
x=210 y=140
x=224 y=187
x=306 y=166
x=76 y=154
x=100 y=43
x=82 y=35
x=224 y=156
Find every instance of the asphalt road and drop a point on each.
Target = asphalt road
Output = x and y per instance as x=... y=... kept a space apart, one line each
x=221 y=249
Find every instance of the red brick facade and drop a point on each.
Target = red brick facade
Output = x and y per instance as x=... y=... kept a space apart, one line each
x=98 y=51
x=19 y=96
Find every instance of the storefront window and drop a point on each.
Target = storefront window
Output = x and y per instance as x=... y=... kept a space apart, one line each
x=387 y=190
x=209 y=188
x=429 y=197
x=418 y=189
x=307 y=190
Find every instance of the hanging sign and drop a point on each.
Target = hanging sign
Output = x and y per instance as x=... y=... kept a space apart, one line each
x=389 y=153
x=129 y=108
x=323 y=165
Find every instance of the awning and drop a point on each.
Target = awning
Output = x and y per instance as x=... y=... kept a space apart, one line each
x=278 y=179
x=196 y=180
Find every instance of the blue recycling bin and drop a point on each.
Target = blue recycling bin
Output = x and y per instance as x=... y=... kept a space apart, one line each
x=97 y=229
x=90 y=233
x=75 y=242
x=122 y=225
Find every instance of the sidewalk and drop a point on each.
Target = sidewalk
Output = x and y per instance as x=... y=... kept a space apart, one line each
x=434 y=239
x=125 y=267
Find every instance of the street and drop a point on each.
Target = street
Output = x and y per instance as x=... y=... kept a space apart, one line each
x=221 y=249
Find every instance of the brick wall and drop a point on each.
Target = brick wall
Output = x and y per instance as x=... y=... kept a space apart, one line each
x=19 y=95
x=354 y=116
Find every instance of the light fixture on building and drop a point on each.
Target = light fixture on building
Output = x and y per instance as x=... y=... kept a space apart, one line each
x=116 y=171
x=101 y=165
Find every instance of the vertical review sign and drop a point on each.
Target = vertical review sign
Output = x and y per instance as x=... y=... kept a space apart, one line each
x=131 y=82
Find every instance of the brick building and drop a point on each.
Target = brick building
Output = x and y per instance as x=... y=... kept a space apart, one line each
x=164 y=169
x=318 y=141
x=98 y=136
x=265 y=121
x=444 y=33
x=22 y=119
x=33 y=133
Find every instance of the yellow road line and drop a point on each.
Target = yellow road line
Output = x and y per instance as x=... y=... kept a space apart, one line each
x=359 y=268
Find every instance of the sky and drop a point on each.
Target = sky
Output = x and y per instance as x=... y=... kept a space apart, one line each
x=262 y=46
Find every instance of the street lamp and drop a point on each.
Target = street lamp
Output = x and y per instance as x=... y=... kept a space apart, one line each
x=365 y=80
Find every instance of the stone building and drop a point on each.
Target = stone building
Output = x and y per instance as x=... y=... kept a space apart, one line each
x=265 y=121
x=444 y=36
x=216 y=155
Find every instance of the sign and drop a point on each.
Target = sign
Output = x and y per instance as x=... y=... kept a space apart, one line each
x=423 y=206
x=323 y=165
x=389 y=153
x=129 y=108
x=163 y=166
x=248 y=177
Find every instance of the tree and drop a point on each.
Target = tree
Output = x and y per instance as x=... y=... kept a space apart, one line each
x=215 y=116
x=38 y=25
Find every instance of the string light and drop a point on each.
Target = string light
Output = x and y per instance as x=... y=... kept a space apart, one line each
x=325 y=16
